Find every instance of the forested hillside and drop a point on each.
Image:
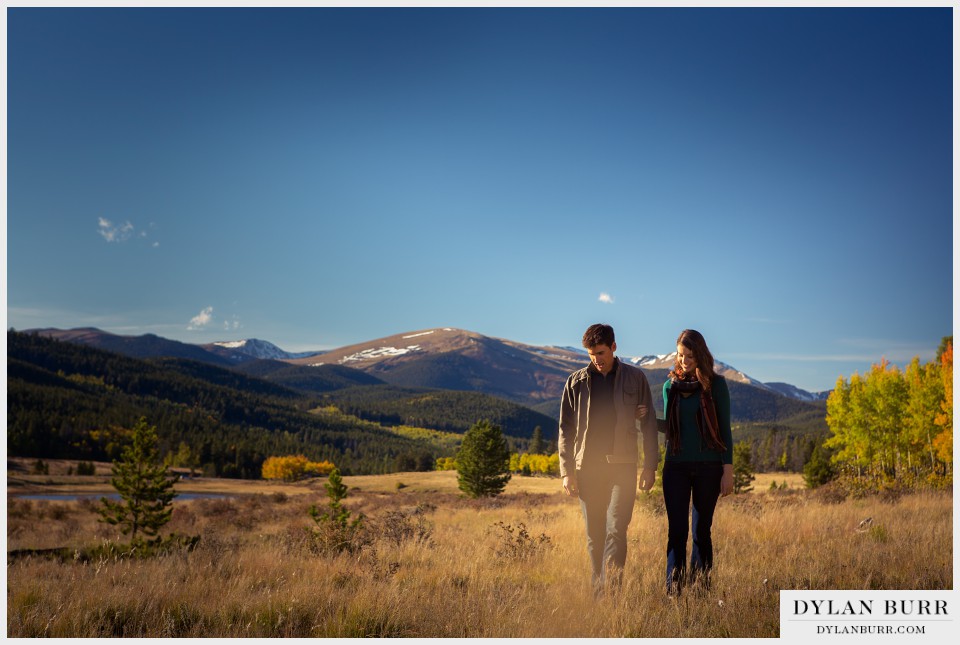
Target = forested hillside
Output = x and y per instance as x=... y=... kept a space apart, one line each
x=321 y=378
x=451 y=411
x=69 y=401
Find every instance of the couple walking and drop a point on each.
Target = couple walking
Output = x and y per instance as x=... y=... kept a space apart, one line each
x=605 y=407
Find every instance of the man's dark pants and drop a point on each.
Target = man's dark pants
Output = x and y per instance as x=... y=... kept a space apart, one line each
x=607 y=493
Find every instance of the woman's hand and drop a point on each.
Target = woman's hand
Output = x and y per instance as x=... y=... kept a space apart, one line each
x=726 y=481
x=641 y=412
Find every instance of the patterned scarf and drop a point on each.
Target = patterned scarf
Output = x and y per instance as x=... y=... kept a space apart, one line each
x=707 y=422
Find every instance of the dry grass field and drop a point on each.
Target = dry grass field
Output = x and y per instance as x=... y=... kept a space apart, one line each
x=440 y=565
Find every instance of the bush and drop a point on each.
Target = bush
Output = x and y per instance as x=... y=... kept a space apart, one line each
x=86 y=468
x=293 y=468
x=516 y=543
x=400 y=526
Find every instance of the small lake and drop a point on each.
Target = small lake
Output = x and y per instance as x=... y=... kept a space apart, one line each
x=64 y=497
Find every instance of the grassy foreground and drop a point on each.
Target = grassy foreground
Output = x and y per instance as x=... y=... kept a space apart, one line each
x=513 y=566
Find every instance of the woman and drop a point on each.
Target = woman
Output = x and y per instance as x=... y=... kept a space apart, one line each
x=699 y=459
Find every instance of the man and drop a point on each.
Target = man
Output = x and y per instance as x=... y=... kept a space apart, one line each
x=602 y=406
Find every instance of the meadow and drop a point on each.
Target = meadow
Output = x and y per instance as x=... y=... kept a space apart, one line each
x=439 y=565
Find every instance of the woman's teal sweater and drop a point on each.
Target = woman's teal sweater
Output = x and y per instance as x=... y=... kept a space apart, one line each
x=692 y=447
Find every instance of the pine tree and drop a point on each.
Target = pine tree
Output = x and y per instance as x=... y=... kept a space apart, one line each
x=483 y=461
x=536 y=442
x=338 y=513
x=819 y=469
x=742 y=468
x=145 y=486
x=335 y=531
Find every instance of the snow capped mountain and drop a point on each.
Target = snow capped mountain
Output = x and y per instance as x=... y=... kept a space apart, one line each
x=666 y=362
x=653 y=361
x=253 y=348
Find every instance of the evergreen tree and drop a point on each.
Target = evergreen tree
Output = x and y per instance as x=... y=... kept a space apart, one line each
x=336 y=492
x=818 y=470
x=145 y=486
x=483 y=461
x=536 y=442
x=335 y=531
x=742 y=468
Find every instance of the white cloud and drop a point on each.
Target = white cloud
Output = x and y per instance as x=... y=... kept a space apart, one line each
x=606 y=298
x=232 y=325
x=112 y=232
x=201 y=320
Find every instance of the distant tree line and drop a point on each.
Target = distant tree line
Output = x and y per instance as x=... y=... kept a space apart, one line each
x=778 y=450
x=446 y=410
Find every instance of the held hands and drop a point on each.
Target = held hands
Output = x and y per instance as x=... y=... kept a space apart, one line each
x=641 y=412
x=726 y=481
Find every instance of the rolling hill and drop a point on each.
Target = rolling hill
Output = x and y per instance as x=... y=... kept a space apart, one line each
x=459 y=360
x=72 y=401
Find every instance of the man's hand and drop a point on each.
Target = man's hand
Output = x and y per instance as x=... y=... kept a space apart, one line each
x=647 y=479
x=726 y=481
x=570 y=485
x=641 y=412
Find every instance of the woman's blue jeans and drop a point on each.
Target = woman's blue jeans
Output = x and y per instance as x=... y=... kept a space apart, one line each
x=683 y=481
x=607 y=494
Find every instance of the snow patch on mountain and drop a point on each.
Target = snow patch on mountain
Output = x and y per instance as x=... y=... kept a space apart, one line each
x=255 y=348
x=654 y=360
x=423 y=333
x=378 y=352
x=232 y=344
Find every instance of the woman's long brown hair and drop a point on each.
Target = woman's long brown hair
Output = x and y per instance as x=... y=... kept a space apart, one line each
x=693 y=340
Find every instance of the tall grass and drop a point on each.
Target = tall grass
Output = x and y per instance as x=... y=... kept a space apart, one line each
x=468 y=572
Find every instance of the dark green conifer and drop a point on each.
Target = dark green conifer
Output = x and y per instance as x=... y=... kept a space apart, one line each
x=818 y=470
x=536 y=442
x=145 y=486
x=483 y=461
x=742 y=468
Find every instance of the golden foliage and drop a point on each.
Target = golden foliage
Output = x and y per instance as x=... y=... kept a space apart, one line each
x=535 y=464
x=294 y=467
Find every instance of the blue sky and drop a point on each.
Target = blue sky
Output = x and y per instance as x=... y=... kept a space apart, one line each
x=779 y=179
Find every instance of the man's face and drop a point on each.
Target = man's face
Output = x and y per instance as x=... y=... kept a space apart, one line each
x=602 y=357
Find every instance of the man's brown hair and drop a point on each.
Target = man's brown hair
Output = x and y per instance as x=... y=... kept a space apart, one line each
x=598 y=334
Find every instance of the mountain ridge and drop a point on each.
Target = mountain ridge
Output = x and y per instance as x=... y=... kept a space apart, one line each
x=434 y=357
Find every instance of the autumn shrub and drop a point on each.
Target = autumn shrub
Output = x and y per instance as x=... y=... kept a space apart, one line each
x=517 y=543
x=20 y=508
x=291 y=468
x=398 y=526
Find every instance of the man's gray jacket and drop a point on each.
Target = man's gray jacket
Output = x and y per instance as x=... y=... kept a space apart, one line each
x=630 y=389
